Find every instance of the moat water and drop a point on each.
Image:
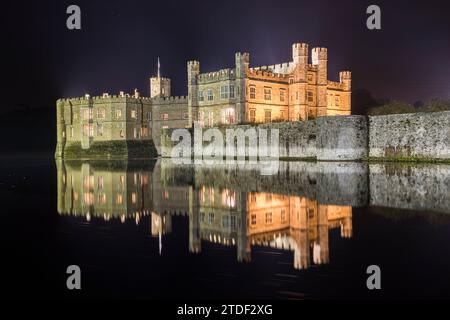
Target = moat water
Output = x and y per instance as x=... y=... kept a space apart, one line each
x=150 y=229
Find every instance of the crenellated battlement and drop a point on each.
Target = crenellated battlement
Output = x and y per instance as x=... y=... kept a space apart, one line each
x=333 y=85
x=265 y=73
x=169 y=100
x=223 y=74
x=319 y=54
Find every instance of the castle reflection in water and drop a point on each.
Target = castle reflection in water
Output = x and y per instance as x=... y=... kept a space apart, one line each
x=292 y=210
x=224 y=215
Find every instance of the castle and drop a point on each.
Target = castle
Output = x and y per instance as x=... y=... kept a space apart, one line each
x=231 y=216
x=130 y=125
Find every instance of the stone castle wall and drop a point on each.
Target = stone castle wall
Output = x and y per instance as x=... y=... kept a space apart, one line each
x=349 y=138
x=421 y=135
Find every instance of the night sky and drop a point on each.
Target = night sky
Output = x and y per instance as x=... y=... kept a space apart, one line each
x=118 y=45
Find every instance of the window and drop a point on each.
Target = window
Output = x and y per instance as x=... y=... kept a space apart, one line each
x=268 y=217
x=102 y=198
x=119 y=198
x=252 y=92
x=118 y=114
x=229 y=222
x=211 y=119
x=267 y=93
x=252 y=115
x=87 y=114
x=210 y=95
x=100 y=182
x=144 y=131
x=267 y=116
x=133 y=197
x=228 y=116
x=310 y=78
x=88 y=130
x=282 y=92
x=100 y=129
x=101 y=113
x=291 y=81
x=148 y=115
x=133 y=114
x=201 y=118
x=337 y=101
x=310 y=96
x=88 y=198
x=200 y=96
x=185 y=115
x=228 y=198
x=224 y=92
x=283 y=215
x=165 y=116
x=253 y=219
x=136 y=133
x=232 y=96
x=211 y=218
x=71 y=131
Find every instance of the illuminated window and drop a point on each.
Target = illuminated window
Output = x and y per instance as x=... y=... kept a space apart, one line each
x=122 y=180
x=166 y=195
x=144 y=131
x=267 y=116
x=88 y=198
x=102 y=198
x=119 y=198
x=133 y=114
x=210 y=95
x=101 y=113
x=282 y=93
x=268 y=217
x=229 y=198
x=100 y=183
x=88 y=182
x=165 y=116
x=252 y=92
x=228 y=116
x=267 y=93
x=88 y=130
x=136 y=133
x=252 y=115
x=211 y=119
x=201 y=118
x=133 y=198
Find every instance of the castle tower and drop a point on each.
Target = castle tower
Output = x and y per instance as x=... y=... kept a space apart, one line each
x=298 y=85
x=346 y=79
x=320 y=59
x=193 y=69
x=159 y=87
x=242 y=61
